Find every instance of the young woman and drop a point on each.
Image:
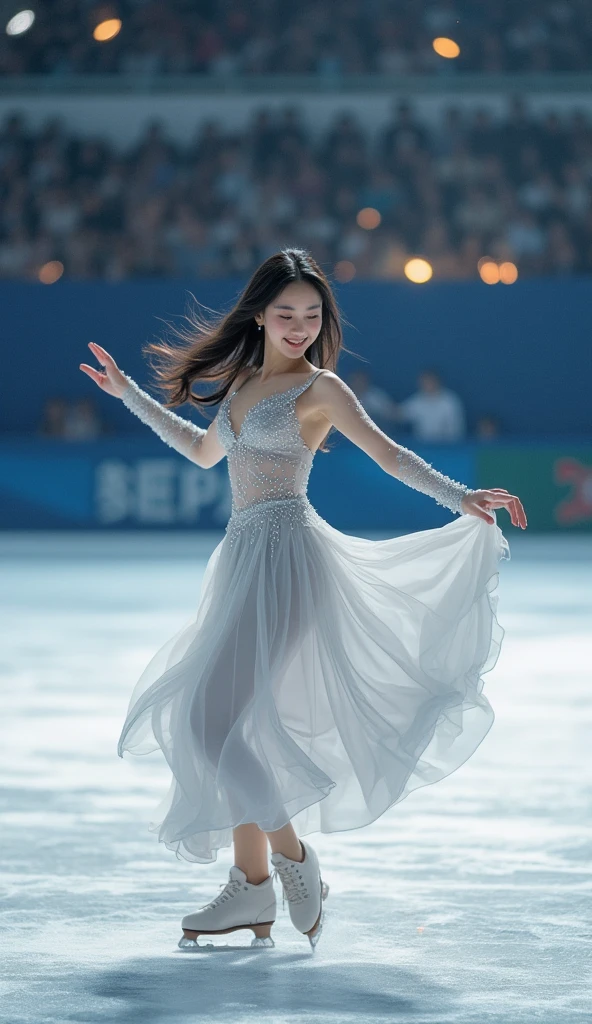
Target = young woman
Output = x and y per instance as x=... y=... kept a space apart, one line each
x=325 y=676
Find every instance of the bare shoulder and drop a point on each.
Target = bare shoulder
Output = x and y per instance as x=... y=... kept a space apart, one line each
x=330 y=387
x=330 y=381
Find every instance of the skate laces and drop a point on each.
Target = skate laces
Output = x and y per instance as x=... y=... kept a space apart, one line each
x=231 y=887
x=293 y=888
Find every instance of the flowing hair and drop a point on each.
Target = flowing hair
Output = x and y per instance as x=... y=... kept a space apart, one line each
x=219 y=348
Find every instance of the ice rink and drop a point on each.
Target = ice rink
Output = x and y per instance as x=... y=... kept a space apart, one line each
x=468 y=902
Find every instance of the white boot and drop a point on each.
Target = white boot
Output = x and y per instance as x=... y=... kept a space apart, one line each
x=240 y=905
x=304 y=889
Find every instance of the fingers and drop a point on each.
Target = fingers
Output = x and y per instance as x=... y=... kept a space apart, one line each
x=510 y=504
x=98 y=377
x=478 y=511
x=499 y=497
x=101 y=353
x=516 y=510
x=518 y=513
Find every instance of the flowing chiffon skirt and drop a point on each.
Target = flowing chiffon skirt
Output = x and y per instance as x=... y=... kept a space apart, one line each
x=323 y=678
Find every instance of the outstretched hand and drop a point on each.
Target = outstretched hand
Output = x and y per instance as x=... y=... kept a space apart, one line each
x=110 y=379
x=477 y=503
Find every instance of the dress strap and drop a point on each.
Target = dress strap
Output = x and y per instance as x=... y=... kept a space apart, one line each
x=307 y=383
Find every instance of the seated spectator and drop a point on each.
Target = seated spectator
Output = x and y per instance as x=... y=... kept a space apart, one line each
x=240 y=40
x=526 y=240
x=435 y=412
x=376 y=401
x=213 y=207
x=82 y=421
x=478 y=212
x=72 y=421
x=487 y=428
x=54 y=416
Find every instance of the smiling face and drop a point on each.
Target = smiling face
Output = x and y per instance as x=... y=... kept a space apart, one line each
x=293 y=320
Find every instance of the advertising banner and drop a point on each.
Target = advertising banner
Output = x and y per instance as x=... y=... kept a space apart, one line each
x=132 y=484
x=553 y=481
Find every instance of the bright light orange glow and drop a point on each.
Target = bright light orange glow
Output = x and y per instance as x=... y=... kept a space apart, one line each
x=368 y=218
x=106 y=30
x=345 y=271
x=417 y=270
x=508 y=273
x=489 y=271
x=51 y=272
x=446 y=47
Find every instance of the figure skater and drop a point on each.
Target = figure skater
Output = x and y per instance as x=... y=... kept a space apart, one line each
x=324 y=677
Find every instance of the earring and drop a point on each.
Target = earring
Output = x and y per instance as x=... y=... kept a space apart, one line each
x=260 y=327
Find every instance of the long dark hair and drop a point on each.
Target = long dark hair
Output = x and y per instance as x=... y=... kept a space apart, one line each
x=219 y=348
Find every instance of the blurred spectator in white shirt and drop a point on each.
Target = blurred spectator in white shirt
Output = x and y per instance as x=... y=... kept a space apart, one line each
x=435 y=412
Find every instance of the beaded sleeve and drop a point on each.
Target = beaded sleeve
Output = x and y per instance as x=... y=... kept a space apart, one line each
x=419 y=474
x=181 y=434
x=400 y=462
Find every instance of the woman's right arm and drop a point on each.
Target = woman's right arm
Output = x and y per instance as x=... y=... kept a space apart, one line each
x=195 y=443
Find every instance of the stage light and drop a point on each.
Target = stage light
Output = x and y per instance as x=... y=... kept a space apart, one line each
x=368 y=218
x=508 y=273
x=107 y=30
x=51 y=272
x=488 y=271
x=417 y=270
x=446 y=47
x=20 y=23
x=344 y=271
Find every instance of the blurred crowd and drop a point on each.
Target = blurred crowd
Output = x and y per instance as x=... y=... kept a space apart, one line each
x=72 y=420
x=434 y=413
x=516 y=189
x=313 y=37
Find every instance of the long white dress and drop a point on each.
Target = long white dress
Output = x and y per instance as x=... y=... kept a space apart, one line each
x=324 y=676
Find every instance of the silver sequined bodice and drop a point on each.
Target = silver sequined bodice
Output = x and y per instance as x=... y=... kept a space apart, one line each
x=267 y=460
x=269 y=463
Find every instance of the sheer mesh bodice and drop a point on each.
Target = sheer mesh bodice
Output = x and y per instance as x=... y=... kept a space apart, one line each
x=267 y=459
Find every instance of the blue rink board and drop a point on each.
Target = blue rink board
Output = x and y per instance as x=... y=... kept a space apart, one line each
x=129 y=483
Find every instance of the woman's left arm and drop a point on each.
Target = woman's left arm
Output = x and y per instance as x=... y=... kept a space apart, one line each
x=343 y=409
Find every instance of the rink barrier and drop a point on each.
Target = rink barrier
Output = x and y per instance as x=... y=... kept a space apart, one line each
x=135 y=484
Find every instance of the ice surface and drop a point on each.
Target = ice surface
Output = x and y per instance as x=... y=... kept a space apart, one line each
x=468 y=902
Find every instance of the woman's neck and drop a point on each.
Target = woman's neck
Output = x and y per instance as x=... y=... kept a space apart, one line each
x=278 y=367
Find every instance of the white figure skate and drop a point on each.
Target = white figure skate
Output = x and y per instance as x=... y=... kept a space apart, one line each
x=239 y=905
x=304 y=889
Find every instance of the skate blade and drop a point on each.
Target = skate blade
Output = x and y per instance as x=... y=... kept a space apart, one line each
x=314 y=938
x=193 y=946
